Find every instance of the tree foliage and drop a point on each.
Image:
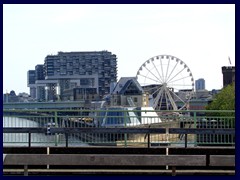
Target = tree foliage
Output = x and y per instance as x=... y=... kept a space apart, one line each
x=225 y=100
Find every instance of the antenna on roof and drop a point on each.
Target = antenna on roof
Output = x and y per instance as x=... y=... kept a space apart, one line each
x=229 y=60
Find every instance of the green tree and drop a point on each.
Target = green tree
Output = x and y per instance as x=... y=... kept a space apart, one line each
x=225 y=100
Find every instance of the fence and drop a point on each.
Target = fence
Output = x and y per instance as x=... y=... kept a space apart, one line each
x=116 y=126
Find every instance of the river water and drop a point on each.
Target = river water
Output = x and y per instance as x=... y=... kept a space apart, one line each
x=37 y=139
x=43 y=140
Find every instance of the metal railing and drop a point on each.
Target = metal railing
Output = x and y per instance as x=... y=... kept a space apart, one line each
x=118 y=127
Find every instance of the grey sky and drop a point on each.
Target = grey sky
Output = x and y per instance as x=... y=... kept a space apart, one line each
x=203 y=36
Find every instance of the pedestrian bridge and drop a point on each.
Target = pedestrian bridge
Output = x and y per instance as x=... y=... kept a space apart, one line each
x=45 y=105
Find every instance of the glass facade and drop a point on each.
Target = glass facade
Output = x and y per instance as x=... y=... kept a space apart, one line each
x=200 y=84
x=68 y=70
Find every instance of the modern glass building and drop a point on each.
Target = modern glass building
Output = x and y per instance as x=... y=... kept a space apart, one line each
x=90 y=71
x=200 y=84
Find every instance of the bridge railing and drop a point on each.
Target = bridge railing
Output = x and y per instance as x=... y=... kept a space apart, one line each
x=148 y=131
x=130 y=127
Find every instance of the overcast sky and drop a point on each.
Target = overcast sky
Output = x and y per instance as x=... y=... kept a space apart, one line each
x=203 y=36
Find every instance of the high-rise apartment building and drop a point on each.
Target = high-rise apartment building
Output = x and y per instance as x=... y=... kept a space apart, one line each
x=31 y=77
x=39 y=72
x=200 y=84
x=228 y=75
x=90 y=72
x=31 y=83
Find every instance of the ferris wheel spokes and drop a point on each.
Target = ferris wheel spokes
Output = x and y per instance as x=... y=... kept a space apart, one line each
x=154 y=75
x=180 y=85
x=178 y=97
x=167 y=104
x=179 y=79
x=167 y=68
x=171 y=100
x=148 y=78
x=175 y=75
x=156 y=100
x=157 y=72
x=172 y=70
x=157 y=90
x=162 y=71
x=163 y=77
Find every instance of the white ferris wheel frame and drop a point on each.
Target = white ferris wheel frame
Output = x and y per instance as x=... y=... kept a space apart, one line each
x=162 y=78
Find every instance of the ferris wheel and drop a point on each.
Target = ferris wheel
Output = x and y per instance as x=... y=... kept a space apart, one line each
x=168 y=81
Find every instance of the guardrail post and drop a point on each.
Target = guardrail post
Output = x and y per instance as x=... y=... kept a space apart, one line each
x=148 y=135
x=174 y=171
x=29 y=139
x=56 y=125
x=25 y=170
x=195 y=125
x=186 y=140
x=66 y=136
x=149 y=140
x=48 y=152
x=125 y=125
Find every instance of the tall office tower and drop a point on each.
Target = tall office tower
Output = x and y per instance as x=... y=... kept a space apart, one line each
x=228 y=75
x=90 y=72
x=200 y=84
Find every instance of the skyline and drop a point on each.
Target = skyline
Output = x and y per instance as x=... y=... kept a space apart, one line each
x=203 y=36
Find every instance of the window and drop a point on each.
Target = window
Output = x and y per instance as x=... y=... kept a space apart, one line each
x=135 y=99
x=116 y=118
x=84 y=81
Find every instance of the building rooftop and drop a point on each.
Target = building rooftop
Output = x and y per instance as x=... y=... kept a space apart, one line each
x=124 y=83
